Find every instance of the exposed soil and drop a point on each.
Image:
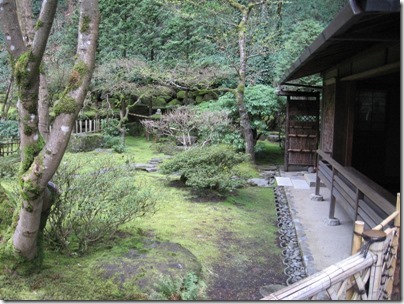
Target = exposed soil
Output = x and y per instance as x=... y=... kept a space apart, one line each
x=241 y=279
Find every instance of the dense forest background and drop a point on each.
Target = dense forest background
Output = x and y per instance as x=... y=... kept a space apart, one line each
x=171 y=52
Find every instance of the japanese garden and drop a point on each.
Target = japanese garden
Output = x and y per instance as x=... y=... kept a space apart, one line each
x=139 y=145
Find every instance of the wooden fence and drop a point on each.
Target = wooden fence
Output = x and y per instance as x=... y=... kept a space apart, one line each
x=9 y=146
x=366 y=275
x=87 y=126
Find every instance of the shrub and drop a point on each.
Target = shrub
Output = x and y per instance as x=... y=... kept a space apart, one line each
x=111 y=141
x=92 y=206
x=9 y=165
x=188 y=288
x=209 y=167
x=110 y=127
x=85 y=142
x=9 y=129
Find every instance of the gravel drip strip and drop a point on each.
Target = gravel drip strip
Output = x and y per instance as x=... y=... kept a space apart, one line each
x=295 y=268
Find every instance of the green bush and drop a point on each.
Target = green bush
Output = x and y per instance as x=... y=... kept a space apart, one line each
x=110 y=141
x=9 y=165
x=9 y=129
x=187 y=288
x=91 y=206
x=85 y=142
x=110 y=127
x=209 y=167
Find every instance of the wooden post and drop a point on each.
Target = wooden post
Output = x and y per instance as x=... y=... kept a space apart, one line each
x=332 y=199
x=377 y=238
x=317 y=192
x=394 y=249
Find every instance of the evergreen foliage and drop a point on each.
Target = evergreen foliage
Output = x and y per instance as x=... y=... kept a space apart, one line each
x=211 y=167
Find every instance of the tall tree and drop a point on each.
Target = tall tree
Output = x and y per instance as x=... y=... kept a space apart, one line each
x=40 y=160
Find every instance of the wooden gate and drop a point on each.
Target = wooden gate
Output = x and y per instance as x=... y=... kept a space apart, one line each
x=302 y=128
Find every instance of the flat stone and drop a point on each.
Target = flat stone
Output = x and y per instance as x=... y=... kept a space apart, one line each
x=146 y=167
x=311 y=179
x=260 y=182
x=332 y=222
x=317 y=198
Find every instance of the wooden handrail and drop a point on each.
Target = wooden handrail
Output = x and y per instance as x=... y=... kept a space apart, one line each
x=352 y=175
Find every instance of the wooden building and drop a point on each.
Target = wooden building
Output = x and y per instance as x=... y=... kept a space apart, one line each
x=357 y=149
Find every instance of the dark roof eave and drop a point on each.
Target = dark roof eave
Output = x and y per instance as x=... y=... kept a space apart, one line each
x=347 y=17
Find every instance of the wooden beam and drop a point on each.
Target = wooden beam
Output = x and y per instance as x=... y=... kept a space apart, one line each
x=385 y=69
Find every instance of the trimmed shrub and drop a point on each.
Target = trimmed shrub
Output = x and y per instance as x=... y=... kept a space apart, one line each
x=85 y=142
x=209 y=167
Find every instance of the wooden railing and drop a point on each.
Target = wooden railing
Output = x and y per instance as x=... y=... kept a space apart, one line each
x=9 y=146
x=361 y=198
x=366 y=275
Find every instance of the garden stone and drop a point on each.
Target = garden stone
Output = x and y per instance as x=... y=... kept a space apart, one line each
x=260 y=182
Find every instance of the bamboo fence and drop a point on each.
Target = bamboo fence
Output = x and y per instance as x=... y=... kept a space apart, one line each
x=365 y=275
x=9 y=146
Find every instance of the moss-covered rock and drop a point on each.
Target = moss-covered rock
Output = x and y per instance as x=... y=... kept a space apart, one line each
x=158 y=102
x=198 y=99
x=181 y=94
x=146 y=265
x=85 y=142
x=173 y=103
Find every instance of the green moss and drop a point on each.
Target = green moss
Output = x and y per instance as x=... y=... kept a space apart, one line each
x=181 y=94
x=38 y=24
x=85 y=24
x=65 y=105
x=27 y=130
x=20 y=67
x=80 y=69
x=29 y=154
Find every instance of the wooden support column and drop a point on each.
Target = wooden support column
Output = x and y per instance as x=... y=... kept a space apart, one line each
x=332 y=199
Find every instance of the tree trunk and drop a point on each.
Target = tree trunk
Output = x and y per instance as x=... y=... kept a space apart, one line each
x=40 y=161
x=244 y=117
x=43 y=107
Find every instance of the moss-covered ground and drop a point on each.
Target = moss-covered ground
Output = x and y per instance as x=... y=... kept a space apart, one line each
x=230 y=242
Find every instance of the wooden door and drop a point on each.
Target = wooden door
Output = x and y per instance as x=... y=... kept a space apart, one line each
x=302 y=128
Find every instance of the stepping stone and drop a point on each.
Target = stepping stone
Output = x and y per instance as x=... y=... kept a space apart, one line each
x=260 y=182
x=283 y=181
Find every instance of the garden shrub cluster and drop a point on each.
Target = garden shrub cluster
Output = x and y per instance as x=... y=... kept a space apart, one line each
x=85 y=142
x=211 y=167
x=91 y=206
x=9 y=129
x=9 y=165
x=187 y=288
